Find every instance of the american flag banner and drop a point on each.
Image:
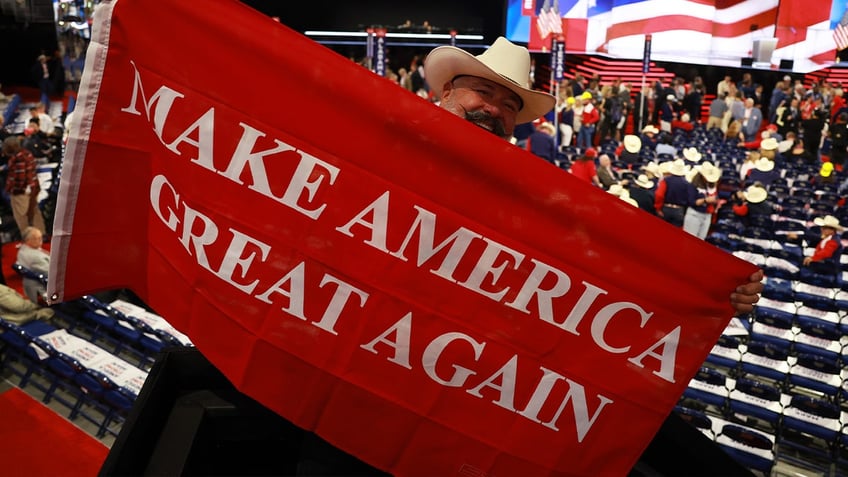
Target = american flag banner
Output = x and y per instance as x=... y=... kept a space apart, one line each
x=718 y=32
x=840 y=32
x=549 y=20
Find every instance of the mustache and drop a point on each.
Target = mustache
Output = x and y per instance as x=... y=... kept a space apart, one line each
x=485 y=120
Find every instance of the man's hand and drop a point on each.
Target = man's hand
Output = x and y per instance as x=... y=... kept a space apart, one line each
x=744 y=297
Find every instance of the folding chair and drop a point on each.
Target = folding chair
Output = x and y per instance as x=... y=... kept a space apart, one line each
x=819 y=337
x=773 y=326
x=814 y=416
x=757 y=399
x=119 y=401
x=725 y=353
x=813 y=310
x=767 y=359
x=818 y=373
x=778 y=289
x=91 y=385
x=748 y=446
x=709 y=387
x=63 y=369
x=697 y=419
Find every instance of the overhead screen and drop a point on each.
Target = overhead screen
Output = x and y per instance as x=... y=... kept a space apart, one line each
x=721 y=32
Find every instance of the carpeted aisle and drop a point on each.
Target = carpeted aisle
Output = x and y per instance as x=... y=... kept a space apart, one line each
x=36 y=442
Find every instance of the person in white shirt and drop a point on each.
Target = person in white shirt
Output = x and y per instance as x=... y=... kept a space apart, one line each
x=35 y=258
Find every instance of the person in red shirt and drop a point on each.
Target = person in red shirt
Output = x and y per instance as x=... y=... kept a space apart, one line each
x=829 y=244
x=584 y=167
x=22 y=185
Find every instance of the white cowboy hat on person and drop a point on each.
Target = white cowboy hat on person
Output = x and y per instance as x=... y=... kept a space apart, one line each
x=625 y=196
x=664 y=168
x=650 y=129
x=784 y=145
x=632 y=143
x=678 y=168
x=710 y=172
x=547 y=127
x=671 y=97
x=653 y=168
x=755 y=194
x=768 y=144
x=616 y=189
x=764 y=164
x=643 y=182
x=828 y=221
x=692 y=154
x=504 y=63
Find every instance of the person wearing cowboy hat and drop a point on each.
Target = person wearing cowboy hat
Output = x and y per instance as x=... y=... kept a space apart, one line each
x=768 y=148
x=628 y=151
x=541 y=142
x=673 y=192
x=489 y=89
x=692 y=155
x=652 y=172
x=643 y=193
x=649 y=136
x=764 y=172
x=821 y=261
x=752 y=202
x=703 y=200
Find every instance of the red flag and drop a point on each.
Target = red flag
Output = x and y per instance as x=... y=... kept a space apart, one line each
x=419 y=292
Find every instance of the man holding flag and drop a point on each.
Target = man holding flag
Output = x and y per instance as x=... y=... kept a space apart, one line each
x=458 y=307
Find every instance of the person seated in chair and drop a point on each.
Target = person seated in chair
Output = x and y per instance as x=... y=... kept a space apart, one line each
x=826 y=250
x=17 y=309
x=35 y=258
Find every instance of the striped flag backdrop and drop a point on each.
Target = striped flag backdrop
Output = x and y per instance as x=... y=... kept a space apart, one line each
x=840 y=32
x=716 y=32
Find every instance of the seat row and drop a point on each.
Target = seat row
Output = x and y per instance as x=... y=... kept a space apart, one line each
x=89 y=381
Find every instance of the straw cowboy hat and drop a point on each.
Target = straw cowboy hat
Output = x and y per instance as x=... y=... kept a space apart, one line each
x=625 y=196
x=769 y=144
x=615 y=189
x=632 y=143
x=764 y=164
x=653 y=168
x=643 y=182
x=692 y=154
x=710 y=172
x=828 y=221
x=664 y=168
x=678 y=167
x=785 y=145
x=755 y=194
x=547 y=127
x=650 y=129
x=504 y=63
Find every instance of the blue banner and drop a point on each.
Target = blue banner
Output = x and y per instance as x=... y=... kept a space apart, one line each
x=558 y=58
x=380 y=56
x=646 y=60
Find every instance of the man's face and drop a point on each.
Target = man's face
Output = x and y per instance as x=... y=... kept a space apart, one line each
x=35 y=239
x=483 y=102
